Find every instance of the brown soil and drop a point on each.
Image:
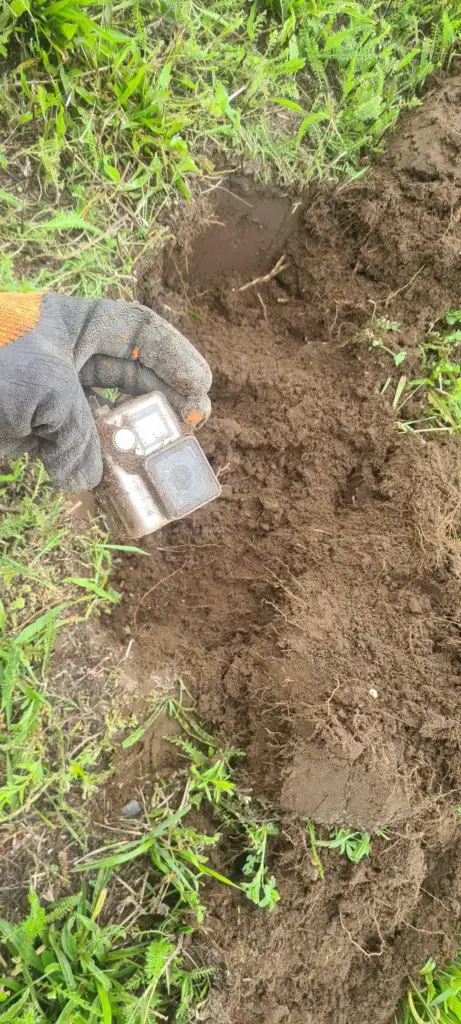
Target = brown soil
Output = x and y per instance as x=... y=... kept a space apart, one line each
x=314 y=609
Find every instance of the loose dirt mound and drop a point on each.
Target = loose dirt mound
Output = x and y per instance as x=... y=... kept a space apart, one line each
x=314 y=610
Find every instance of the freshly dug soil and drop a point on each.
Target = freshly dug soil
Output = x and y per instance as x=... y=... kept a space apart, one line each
x=314 y=610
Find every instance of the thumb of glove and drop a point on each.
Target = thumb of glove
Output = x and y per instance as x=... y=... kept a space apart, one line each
x=68 y=442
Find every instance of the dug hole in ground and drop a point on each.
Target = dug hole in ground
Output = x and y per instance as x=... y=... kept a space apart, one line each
x=313 y=611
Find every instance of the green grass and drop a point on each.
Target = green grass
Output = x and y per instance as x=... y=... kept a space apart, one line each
x=51 y=577
x=69 y=961
x=436 y=999
x=177 y=851
x=64 y=965
x=431 y=403
x=439 y=390
x=113 y=108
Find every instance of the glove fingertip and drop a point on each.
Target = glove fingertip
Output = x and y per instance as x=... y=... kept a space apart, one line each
x=75 y=474
x=193 y=411
x=85 y=480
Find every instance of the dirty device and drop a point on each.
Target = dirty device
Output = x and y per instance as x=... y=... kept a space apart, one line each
x=154 y=473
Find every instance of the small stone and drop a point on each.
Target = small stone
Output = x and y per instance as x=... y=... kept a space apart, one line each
x=373 y=693
x=132 y=809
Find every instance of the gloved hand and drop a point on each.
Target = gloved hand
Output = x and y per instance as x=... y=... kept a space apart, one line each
x=51 y=346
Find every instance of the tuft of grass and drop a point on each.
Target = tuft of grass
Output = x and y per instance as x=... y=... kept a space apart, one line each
x=64 y=965
x=113 y=109
x=69 y=963
x=50 y=577
x=213 y=781
x=437 y=997
x=439 y=390
x=177 y=851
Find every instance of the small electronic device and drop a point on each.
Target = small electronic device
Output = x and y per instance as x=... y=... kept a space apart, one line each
x=154 y=473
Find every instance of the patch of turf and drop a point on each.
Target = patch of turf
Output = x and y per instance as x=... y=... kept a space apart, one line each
x=67 y=965
x=113 y=108
x=51 y=577
x=70 y=962
x=436 y=998
x=439 y=389
x=175 y=848
x=430 y=403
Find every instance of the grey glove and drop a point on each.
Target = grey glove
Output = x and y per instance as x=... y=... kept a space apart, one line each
x=51 y=346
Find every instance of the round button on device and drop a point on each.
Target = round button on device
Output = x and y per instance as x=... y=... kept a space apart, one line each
x=124 y=439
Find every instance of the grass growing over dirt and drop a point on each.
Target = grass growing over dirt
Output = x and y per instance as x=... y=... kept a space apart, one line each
x=113 y=109
x=177 y=849
x=68 y=966
x=439 y=389
x=71 y=962
x=436 y=998
x=50 y=577
x=431 y=402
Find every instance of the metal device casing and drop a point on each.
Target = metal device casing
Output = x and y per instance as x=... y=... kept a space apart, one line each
x=142 y=488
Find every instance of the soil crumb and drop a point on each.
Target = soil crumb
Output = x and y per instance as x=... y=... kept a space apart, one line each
x=314 y=609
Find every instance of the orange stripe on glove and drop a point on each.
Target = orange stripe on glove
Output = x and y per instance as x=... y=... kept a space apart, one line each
x=19 y=313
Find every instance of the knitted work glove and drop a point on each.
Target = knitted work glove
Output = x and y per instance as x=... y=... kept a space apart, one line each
x=51 y=346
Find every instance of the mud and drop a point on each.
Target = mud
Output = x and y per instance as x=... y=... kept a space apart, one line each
x=245 y=232
x=314 y=609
